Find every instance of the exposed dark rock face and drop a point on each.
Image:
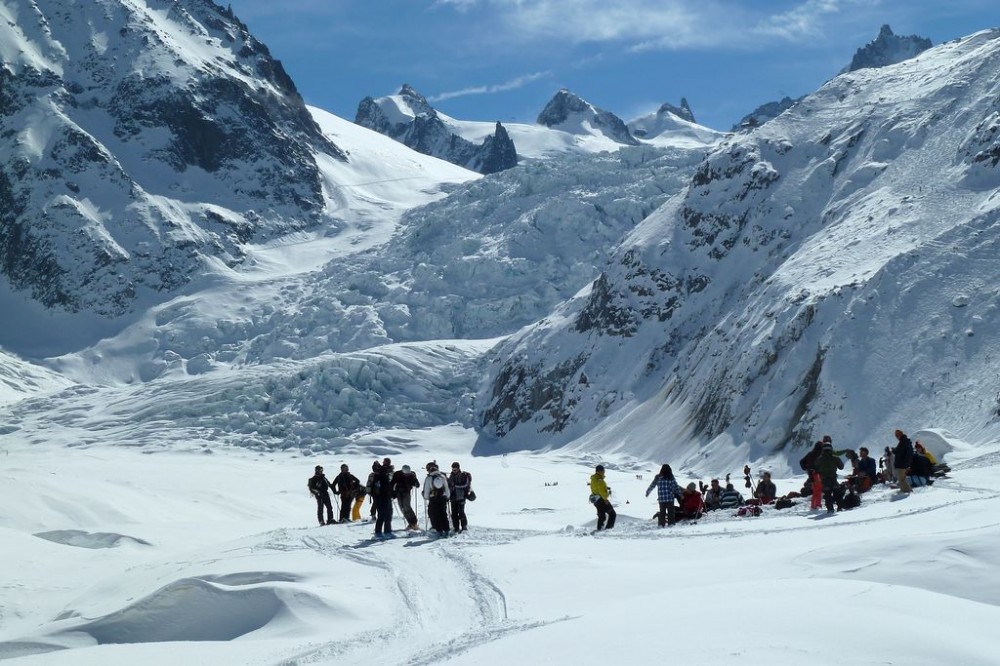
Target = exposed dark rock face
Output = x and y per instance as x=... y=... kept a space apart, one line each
x=426 y=133
x=131 y=156
x=888 y=49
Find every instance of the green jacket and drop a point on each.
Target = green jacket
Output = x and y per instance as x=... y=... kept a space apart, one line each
x=827 y=466
x=598 y=486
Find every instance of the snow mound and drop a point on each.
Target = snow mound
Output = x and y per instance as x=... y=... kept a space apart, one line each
x=189 y=609
x=82 y=539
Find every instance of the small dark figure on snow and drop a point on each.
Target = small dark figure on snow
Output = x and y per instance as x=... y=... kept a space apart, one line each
x=320 y=489
x=345 y=485
x=600 y=496
x=667 y=491
x=436 y=494
x=461 y=486
x=403 y=483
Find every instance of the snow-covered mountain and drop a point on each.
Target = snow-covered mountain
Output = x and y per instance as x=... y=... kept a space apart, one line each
x=408 y=118
x=886 y=49
x=832 y=271
x=670 y=125
x=570 y=113
x=139 y=139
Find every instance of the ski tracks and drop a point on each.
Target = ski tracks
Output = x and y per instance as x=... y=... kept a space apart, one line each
x=444 y=604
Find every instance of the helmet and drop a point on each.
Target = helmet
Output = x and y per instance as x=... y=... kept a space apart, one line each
x=599 y=468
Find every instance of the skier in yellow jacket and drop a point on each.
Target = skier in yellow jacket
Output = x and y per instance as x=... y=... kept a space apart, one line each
x=599 y=497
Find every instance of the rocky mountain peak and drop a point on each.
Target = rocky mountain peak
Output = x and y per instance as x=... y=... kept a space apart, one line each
x=887 y=49
x=569 y=112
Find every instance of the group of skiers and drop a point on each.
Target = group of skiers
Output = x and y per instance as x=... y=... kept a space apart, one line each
x=442 y=494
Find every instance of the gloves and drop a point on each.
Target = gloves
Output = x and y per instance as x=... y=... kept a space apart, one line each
x=647 y=493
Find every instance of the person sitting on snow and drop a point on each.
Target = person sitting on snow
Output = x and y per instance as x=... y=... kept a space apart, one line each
x=730 y=498
x=921 y=470
x=713 y=496
x=766 y=490
x=865 y=472
x=692 y=505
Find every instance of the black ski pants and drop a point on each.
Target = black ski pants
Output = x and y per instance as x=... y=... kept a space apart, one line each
x=323 y=500
x=605 y=512
x=345 y=508
x=383 y=515
x=458 y=518
x=666 y=516
x=437 y=512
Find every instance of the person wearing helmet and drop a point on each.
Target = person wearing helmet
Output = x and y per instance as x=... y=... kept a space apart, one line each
x=600 y=496
x=320 y=489
x=345 y=485
x=437 y=493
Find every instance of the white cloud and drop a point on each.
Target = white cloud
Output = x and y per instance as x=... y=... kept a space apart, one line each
x=513 y=84
x=660 y=24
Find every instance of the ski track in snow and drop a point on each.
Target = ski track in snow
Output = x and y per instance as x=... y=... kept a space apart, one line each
x=436 y=564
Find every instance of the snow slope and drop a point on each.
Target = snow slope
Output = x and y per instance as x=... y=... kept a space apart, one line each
x=214 y=558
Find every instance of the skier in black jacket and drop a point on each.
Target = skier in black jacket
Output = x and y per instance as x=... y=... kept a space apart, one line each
x=902 y=457
x=403 y=483
x=380 y=488
x=345 y=485
x=320 y=489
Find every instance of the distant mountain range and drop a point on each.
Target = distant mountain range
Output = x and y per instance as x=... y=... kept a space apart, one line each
x=172 y=214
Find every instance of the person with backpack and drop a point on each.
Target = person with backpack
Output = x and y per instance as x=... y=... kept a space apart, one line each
x=460 y=484
x=827 y=467
x=600 y=496
x=667 y=491
x=403 y=483
x=380 y=488
x=808 y=461
x=344 y=484
x=436 y=494
x=320 y=489
x=902 y=458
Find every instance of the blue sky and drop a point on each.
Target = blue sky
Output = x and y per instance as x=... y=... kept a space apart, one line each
x=504 y=59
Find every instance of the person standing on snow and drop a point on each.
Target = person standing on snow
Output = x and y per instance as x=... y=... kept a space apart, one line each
x=436 y=494
x=460 y=484
x=380 y=488
x=345 y=484
x=320 y=489
x=827 y=467
x=600 y=497
x=667 y=491
x=902 y=458
x=403 y=483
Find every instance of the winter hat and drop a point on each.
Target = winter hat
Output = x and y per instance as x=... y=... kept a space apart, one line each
x=455 y=465
x=691 y=486
x=376 y=467
x=406 y=468
x=343 y=468
x=319 y=468
x=599 y=468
